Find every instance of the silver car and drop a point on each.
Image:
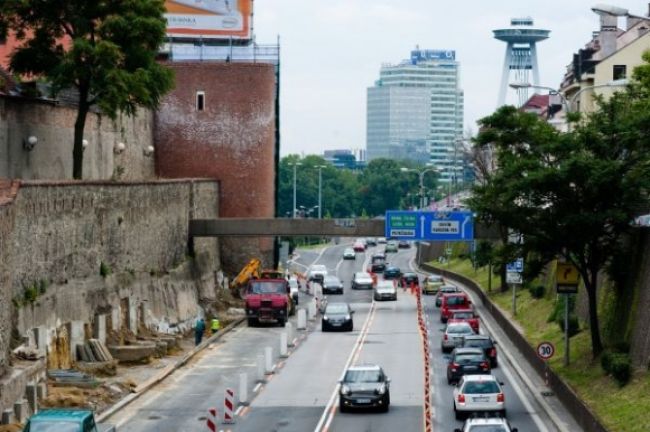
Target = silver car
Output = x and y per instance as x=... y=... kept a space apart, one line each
x=454 y=334
x=385 y=290
x=494 y=424
x=362 y=280
x=478 y=393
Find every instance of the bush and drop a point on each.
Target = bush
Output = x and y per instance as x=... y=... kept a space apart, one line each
x=621 y=368
x=622 y=347
x=537 y=291
x=574 y=325
x=606 y=361
x=104 y=269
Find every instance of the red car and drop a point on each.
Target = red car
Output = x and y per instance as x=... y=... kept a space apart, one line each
x=452 y=302
x=359 y=247
x=465 y=315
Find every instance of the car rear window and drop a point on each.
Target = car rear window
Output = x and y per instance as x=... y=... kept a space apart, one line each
x=481 y=387
x=463 y=315
x=478 y=343
x=463 y=329
x=488 y=428
x=469 y=358
x=456 y=300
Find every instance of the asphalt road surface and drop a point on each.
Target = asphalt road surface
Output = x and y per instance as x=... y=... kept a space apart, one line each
x=302 y=393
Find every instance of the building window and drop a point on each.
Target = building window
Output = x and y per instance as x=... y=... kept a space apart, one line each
x=620 y=72
x=200 y=100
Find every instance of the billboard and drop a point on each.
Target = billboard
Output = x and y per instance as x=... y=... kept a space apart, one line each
x=421 y=55
x=217 y=19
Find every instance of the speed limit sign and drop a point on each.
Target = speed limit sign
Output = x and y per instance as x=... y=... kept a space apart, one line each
x=545 y=350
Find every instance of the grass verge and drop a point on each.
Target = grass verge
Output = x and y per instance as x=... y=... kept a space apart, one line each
x=621 y=409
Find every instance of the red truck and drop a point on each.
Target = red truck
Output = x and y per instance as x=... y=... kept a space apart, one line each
x=465 y=315
x=268 y=300
x=453 y=301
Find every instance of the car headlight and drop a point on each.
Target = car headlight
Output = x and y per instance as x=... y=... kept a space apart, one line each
x=345 y=390
x=382 y=389
x=325 y=317
x=347 y=317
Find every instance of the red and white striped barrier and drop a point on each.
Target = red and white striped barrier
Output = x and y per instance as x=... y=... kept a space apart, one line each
x=211 y=421
x=229 y=407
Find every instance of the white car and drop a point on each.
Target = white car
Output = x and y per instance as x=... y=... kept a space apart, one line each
x=349 y=253
x=294 y=287
x=385 y=290
x=362 y=280
x=495 y=424
x=381 y=240
x=478 y=393
x=317 y=271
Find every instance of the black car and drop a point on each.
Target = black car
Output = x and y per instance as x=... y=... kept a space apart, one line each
x=364 y=386
x=403 y=244
x=337 y=316
x=409 y=279
x=392 y=272
x=377 y=265
x=371 y=241
x=486 y=344
x=332 y=285
x=467 y=361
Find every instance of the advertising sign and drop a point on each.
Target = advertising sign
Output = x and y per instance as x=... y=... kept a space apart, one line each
x=421 y=55
x=216 y=19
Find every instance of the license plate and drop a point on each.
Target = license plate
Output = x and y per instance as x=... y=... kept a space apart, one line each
x=336 y=324
x=481 y=399
x=363 y=401
x=470 y=368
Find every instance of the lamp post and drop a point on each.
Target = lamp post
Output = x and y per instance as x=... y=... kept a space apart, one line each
x=320 y=190
x=421 y=176
x=295 y=166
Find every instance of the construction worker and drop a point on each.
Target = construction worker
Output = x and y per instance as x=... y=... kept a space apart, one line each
x=215 y=325
x=199 y=328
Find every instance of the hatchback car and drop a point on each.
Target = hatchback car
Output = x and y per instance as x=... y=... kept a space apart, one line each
x=486 y=344
x=403 y=244
x=432 y=284
x=466 y=361
x=445 y=289
x=465 y=315
x=385 y=290
x=493 y=424
x=392 y=272
x=317 y=270
x=362 y=280
x=451 y=302
x=364 y=386
x=453 y=336
x=478 y=393
x=378 y=264
x=349 y=253
x=391 y=246
x=332 y=285
x=358 y=247
x=337 y=316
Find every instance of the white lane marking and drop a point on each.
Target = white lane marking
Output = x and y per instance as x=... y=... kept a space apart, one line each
x=330 y=407
x=257 y=387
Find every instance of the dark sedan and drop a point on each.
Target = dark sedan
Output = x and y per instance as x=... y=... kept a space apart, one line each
x=337 y=316
x=392 y=273
x=467 y=361
x=485 y=343
x=378 y=265
x=364 y=386
x=403 y=244
x=332 y=285
x=409 y=279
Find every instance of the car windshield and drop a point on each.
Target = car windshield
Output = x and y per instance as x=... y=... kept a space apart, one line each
x=461 y=329
x=265 y=287
x=488 y=428
x=481 y=387
x=336 y=308
x=332 y=280
x=364 y=375
x=469 y=358
x=478 y=343
x=58 y=426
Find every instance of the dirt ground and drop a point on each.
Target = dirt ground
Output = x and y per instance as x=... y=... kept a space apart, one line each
x=11 y=428
x=97 y=399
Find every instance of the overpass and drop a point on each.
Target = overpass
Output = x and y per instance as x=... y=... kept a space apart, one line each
x=285 y=227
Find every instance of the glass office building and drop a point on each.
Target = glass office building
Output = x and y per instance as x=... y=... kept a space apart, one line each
x=415 y=111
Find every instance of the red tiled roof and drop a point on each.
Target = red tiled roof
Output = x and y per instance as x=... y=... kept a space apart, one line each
x=536 y=101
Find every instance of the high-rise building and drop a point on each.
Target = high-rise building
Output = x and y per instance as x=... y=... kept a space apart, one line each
x=415 y=111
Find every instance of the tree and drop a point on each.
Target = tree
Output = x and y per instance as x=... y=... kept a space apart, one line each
x=106 y=50
x=570 y=194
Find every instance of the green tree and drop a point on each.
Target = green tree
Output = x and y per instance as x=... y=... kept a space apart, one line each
x=106 y=50
x=570 y=194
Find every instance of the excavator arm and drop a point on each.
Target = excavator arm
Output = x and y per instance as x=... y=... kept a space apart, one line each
x=250 y=270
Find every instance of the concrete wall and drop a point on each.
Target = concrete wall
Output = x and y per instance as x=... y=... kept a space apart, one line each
x=231 y=140
x=6 y=226
x=61 y=233
x=53 y=126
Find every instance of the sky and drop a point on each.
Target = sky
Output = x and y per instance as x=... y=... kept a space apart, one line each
x=332 y=50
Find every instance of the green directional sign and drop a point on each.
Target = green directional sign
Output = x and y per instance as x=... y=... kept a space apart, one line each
x=402 y=224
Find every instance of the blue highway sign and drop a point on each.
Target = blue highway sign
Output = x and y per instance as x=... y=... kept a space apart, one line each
x=516 y=266
x=429 y=225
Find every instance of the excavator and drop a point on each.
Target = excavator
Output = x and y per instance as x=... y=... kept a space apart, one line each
x=248 y=272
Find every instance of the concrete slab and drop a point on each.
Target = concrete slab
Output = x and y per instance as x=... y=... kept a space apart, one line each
x=133 y=353
x=99 y=328
x=76 y=336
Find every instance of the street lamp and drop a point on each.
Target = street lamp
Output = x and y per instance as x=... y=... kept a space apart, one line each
x=421 y=175
x=320 y=190
x=568 y=103
x=295 y=166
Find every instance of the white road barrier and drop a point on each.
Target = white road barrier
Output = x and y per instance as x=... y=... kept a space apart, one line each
x=229 y=407
x=290 y=337
x=284 y=352
x=268 y=357
x=302 y=319
x=243 y=389
x=260 y=368
x=311 y=311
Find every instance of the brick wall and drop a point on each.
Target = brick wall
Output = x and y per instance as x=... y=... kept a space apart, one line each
x=53 y=126
x=231 y=140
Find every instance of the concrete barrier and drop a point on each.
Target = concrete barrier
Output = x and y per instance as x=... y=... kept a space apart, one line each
x=260 y=368
x=243 y=389
x=302 y=319
x=284 y=352
x=268 y=360
x=133 y=353
x=290 y=335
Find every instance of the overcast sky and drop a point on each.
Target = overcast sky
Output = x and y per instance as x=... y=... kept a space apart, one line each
x=331 y=51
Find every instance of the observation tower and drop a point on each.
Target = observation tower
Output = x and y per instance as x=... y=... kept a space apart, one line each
x=521 y=55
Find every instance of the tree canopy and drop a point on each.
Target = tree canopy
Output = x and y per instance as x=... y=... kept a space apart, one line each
x=106 y=50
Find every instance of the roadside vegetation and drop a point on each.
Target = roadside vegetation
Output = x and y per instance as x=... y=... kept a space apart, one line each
x=621 y=408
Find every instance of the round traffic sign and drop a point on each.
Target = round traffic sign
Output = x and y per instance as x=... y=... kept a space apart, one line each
x=545 y=350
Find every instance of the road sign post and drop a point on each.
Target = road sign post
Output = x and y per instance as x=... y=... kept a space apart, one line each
x=545 y=351
x=567 y=279
x=514 y=278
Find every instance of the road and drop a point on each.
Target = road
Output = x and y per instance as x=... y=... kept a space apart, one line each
x=302 y=393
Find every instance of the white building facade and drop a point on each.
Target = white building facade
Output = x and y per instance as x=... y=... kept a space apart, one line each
x=415 y=111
